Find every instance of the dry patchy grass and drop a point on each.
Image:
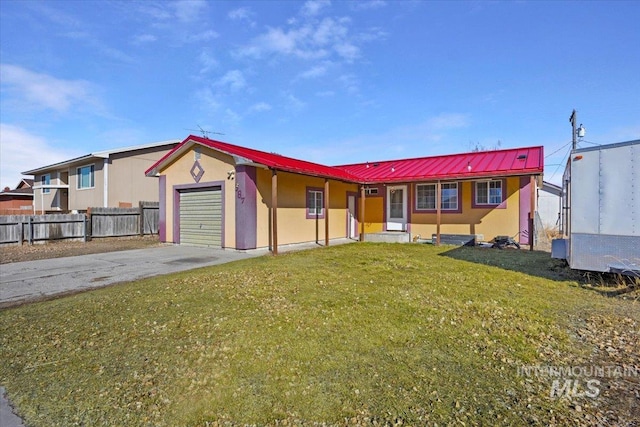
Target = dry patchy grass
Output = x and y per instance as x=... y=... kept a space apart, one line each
x=356 y=334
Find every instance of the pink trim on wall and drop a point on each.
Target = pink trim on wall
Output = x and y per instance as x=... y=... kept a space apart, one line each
x=246 y=207
x=162 y=212
x=525 y=207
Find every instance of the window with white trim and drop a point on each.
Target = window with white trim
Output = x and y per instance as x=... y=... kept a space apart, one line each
x=426 y=196
x=489 y=192
x=85 y=176
x=315 y=203
x=46 y=180
x=449 y=196
x=370 y=191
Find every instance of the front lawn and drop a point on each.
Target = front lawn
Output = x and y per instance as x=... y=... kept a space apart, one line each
x=359 y=334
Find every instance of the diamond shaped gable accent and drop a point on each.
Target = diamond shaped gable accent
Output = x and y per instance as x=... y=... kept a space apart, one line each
x=196 y=171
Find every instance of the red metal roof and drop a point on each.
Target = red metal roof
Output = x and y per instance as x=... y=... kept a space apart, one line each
x=270 y=160
x=483 y=164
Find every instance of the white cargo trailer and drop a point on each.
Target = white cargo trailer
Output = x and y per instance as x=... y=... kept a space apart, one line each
x=601 y=209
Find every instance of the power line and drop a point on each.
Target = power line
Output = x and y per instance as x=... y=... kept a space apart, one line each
x=560 y=164
x=557 y=150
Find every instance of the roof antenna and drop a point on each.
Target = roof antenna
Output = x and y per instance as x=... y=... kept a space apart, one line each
x=205 y=133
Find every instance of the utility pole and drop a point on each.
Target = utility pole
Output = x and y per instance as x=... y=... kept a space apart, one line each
x=573 y=120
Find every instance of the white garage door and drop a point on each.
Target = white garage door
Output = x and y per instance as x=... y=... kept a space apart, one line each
x=201 y=217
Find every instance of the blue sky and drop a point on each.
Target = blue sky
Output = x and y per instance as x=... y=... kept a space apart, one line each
x=328 y=81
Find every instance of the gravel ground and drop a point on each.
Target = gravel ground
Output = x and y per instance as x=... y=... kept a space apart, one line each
x=59 y=249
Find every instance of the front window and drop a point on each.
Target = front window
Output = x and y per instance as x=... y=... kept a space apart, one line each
x=46 y=180
x=489 y=192
x=426 y=196
x=85 y=177
x=449 y=196
x=315 y=203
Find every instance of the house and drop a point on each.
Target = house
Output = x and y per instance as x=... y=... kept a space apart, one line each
x=110 y=178
x=18 y=200
x=213 y=193
x=550 y=205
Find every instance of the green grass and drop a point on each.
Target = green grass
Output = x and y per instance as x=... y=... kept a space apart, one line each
x=358 y=333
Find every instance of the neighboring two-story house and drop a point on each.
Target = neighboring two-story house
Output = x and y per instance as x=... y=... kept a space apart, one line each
x=110 y=178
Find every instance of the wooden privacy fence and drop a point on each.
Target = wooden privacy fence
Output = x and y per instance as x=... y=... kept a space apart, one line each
x=99 y=222
x=33 y=228
x=110 y=222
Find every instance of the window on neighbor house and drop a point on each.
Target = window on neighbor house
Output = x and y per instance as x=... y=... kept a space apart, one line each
x=426 y=196
x=85 y=177
x=489 y=192
x=315 y=203
x=46 y=180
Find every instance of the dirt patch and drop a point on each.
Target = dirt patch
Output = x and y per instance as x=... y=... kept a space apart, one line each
x=60 y=249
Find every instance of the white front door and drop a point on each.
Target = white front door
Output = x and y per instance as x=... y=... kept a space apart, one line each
x=352 y=224
x=397 y=208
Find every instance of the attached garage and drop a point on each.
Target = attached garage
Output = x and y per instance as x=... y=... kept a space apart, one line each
x=201 y=217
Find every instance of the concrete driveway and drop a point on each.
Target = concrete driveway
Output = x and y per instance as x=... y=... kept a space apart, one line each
x=33 y=280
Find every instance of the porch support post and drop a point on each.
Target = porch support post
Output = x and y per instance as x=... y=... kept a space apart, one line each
x=274 y=211
x=438 y=212
x=362 y=213
x=532 y=210
x=326 y=212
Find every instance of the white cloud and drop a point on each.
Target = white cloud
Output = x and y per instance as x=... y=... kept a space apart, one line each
x=21 y=151
x=208 y=62
x=201 y=36
x=313 y=7
x=260 y=107
x=330 y=30
x=41 y=91
x=350 y=83
x=314 y=72
x=368 y=5
x=347 y=51
x=54 y=14
x=207 y=100
x=233 y=79
x=189 y=10
x=182 y=21
x=311 y=40
x=242 y=14
x=372 y=34
x=294 y=103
